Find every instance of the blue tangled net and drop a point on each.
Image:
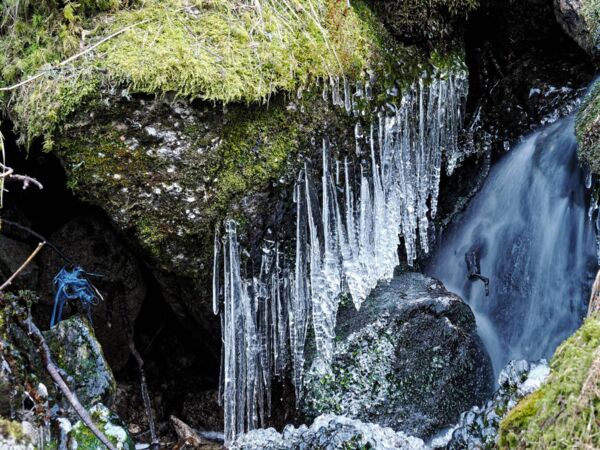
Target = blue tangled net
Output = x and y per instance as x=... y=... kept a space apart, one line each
x=72 y=284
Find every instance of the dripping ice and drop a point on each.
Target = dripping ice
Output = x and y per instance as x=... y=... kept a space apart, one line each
x=350 y=222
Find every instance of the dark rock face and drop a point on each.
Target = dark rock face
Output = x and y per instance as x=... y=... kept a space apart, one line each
x=91 y=243
x=12 y=254
x=524 y=69
x=410 y=359
x=576 y=18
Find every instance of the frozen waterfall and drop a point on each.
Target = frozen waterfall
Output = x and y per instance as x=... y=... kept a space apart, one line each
x=350 y=222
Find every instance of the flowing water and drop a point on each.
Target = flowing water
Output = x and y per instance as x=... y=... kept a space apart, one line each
x=530 y=228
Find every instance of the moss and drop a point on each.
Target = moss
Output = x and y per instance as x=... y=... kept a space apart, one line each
x=219 y=50
x=12 y=430
x=562 y=414
x=588 y=129
x=109 y=423
x=590 y=12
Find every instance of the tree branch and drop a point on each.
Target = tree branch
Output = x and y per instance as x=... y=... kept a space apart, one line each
x=38 y=339
x=25 y=264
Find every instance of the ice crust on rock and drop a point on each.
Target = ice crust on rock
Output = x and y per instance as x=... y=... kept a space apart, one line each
x=329 y=432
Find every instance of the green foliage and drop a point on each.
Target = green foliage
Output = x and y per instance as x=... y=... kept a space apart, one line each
x=562 y=413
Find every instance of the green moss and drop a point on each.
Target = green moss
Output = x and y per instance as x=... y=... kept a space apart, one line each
x=13 y=430
x=590 y=11
x=218 y=50
x=588 y=129
x=109 y=423
x=562 y=413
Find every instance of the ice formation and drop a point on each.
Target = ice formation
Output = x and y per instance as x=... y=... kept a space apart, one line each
x=347 y=240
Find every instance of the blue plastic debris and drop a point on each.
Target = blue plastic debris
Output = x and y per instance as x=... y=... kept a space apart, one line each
x=72 y=284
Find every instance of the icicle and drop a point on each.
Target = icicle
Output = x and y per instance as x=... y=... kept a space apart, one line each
x=346 y=242
x=216 y=271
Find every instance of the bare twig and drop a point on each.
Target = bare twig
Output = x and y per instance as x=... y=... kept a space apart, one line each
x=38 y=339
x=25 y=264
x=72 y=58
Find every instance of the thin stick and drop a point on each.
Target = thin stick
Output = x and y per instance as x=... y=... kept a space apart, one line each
x=27 y=261
x=37 y=337
x=74 y=57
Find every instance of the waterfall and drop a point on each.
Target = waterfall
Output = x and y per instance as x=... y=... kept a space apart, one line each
x=536 y=245
x=349 y=225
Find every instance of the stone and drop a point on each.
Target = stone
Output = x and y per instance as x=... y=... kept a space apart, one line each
x=410 y=359
x=77 y=352
x=329 y=432
x=80 y=436
x=580 y=19
x=91 y=243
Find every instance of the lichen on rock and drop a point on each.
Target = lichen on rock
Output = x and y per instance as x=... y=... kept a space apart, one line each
x=78 y=354
x=410 y=359
x=587 y=127
x=81 y=437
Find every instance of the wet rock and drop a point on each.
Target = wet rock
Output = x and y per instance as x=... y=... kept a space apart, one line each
x=80 y=436
x=329 y=432
x=92 y=244
x=77 y=352
x=202 y=410
x=581 y=20
x=410 y=359
x=12 y=254
x=478 y=427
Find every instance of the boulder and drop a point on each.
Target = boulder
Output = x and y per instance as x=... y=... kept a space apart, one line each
x=77 y=352
x=410 y=359
x=581 y=20
x=92 y=244
x=329 y=432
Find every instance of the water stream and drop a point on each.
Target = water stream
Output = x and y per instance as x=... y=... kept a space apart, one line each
x=530 y=228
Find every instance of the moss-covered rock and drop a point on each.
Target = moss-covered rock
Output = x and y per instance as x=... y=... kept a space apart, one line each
x=77 y=352
x=13 y=437
x=581 y=20
x=587 y=128
x=410 y=359
x=81 y=437
x=219 y=51
x=562 y=413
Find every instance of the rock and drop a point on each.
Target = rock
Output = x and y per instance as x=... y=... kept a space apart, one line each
x=92 y=244
x=81 y=437
x=410 y=359
x=478 y=427
x=77 y=352
x=421 y=21
x=14 y=436
x=329 y=432
x=12 y=254
x=581 y=20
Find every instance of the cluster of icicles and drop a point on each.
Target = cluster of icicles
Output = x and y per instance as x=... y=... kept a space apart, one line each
x=347 y=240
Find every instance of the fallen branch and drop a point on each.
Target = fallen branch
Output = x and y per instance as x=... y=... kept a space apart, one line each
x=25 y=264
x=39 y=341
